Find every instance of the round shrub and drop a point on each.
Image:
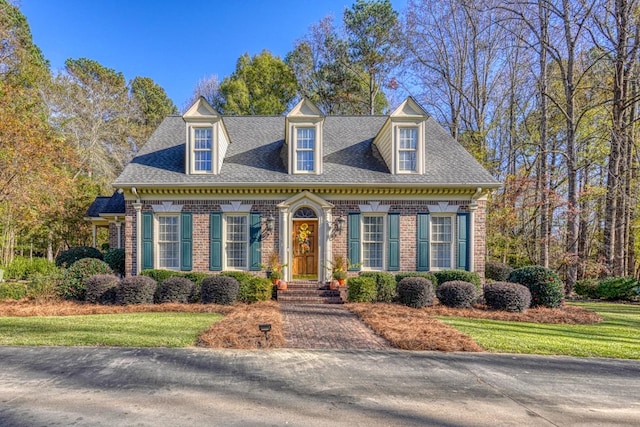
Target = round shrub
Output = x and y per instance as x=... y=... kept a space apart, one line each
x=255 y=289
x=136 y=290
x=101 y=289
x=618 y=288
x=385 y=285
x=174 y=289
x=219 y=290
x=497 y=271
x=362 y=289
x=432 y=278
x=507 y=296
x=544 y=284
x=67 y=258
x=459 y=275
x=457 y=294
x=72 y=285
x=115 y=259
x=587 y=288
x=415 y=292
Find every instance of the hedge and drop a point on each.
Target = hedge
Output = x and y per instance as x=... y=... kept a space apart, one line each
x=72 y=286
x=415 y=292
x=457 y=294
x=544 y=284
x=219 y=290
x=458 y=275
x=385 y=285
x=362 y=289
x=507 y=296
x=174 y=289
x=101 y=289
x=497 y=271
x=136 y=290
x=67 y=258
x=427 y=275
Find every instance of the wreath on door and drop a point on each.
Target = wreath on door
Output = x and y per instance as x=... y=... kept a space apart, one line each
x=303 y=238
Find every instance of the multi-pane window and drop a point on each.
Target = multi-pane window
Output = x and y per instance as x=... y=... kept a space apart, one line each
x=441 y=242
x=305 y=148
x=373 y=242
x=168 y=242
x=237 y=241
x=202 y=149
x=407 y=149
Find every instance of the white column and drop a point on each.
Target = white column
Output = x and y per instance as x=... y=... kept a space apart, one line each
x=138 y=207
x=284 y=249
x=323 y=274
x=472 y=235
x=119 y=233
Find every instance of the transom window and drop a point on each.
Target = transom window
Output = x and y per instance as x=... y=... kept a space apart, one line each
x=407 y=149
x=441 y=242
x=202 y=145
x=373 y=242
x=237 y=241
x=168 y=242
x=305 y=147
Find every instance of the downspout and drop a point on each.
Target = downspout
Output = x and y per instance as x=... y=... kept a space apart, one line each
x=473 y=206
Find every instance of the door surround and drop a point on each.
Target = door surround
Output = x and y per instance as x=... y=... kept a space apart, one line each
x=322 y=210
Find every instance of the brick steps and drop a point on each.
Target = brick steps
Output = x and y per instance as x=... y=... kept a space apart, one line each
x=309 y=292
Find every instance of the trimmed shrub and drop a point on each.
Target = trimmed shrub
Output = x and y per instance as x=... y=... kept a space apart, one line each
x=136 y=290
x=385 y=285
x=497 y=271
x=544 y=284
x=587 y=288
x=507 y=296
x=44 y=286
x=457 y=294
x=459 y=275
x=362 y=289
x=160 y=275
x=219 y=290
x=252 y=288
x=12 y=290
x=425 y=274
x=618 y=288
x=115 y=259
x=67 y=258
x=174 y=289
x=415 y=292
x=101 y=289
x=197 y=279
x=72 y=285
x=22 y=268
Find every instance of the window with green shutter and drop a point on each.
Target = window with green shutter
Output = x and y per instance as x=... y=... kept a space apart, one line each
x=147 y=241
x=354 y=241
x=186 y=240
x=393 y=263
x=215 y=241
x=422 y=243
x=463 y=242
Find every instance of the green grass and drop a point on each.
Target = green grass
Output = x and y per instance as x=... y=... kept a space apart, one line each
x=120 y=330
x=618 y=336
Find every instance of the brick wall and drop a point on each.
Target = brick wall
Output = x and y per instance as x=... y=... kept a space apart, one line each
x=202 y=208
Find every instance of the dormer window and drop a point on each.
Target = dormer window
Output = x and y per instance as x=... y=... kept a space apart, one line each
x=303 y=140
x=305 y=149
x=206 y=139
x=202 y=149
x=407 y=149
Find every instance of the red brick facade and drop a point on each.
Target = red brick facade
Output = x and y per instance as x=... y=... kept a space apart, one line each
x=408 y=209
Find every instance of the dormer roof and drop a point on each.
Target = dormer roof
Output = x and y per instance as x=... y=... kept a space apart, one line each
x=201 y=110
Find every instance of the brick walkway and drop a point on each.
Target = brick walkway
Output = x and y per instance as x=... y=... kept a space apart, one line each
x=327 y=326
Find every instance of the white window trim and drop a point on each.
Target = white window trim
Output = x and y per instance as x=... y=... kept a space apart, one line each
x=419 y=148
x=385 y=241
x=225 y=264
x=192 y=149
x=156 y=240
x=296 y=149
x=454 y=238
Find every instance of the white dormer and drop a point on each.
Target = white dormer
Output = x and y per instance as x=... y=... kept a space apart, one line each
x=304 y=138
x=206 y=139
x=401 y=139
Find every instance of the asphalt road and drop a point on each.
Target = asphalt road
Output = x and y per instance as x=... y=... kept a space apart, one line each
x=81 y=386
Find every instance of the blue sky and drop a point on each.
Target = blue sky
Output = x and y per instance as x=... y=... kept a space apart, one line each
x=176 y=43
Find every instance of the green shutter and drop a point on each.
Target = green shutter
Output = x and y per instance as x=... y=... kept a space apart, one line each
x=255 y=242
x=147 y=241
x=394 y=242
x=186 y=237
x=215 y=241
x=354 y=241
x=423 y=243
x=463 y=245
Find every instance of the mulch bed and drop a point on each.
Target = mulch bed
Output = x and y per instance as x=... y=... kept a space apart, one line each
x=567 y=314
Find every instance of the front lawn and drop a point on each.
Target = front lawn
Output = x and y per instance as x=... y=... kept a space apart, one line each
x=618 y=336
x=121 y=330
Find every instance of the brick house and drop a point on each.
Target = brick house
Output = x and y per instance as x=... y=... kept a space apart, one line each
x=210 y=193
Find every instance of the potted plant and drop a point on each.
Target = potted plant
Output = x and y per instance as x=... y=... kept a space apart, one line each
x=274 y=270
x=338 y=268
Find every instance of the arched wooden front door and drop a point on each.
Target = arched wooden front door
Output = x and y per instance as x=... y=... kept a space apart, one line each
x=305 y=244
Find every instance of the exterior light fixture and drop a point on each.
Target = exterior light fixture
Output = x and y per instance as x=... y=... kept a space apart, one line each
x=269 y=226
x=340 y=224
x=265 y=328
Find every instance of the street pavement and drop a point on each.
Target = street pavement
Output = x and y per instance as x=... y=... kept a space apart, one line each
x=98 y=386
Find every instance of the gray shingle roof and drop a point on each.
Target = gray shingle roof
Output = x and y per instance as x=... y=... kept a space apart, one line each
x=254 y=156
